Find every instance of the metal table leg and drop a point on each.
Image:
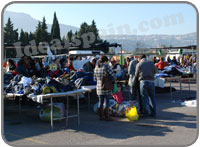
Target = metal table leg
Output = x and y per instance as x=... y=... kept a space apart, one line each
x=171 y=89
x=51 y=113
x=88 y=101
x=180 y=86
x=20 y=109
x=189 y=84
x=67 y=111
x=78 y=113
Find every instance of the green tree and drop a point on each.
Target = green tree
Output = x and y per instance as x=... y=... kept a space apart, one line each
x=26 y=38
x=55 y=30
x=93 y=29
x=76 y=33
x=10 y=35
x=31 y=37
x=69 y=35
x=22 y=37
x=44 y=33
x=38 y=33
x=84 y=28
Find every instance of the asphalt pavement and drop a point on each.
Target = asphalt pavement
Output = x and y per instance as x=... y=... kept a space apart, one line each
x=174 y=125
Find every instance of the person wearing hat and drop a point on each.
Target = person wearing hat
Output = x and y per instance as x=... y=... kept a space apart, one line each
x=90 y=65
x=145 y=72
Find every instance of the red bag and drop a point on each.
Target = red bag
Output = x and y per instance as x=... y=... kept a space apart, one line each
x=118 y=97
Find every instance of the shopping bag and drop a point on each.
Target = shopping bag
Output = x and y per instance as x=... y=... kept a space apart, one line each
x=131 y=114
x=118 y=97
x=46 y=116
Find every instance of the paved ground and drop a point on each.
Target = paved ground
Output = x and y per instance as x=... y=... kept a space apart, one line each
x=175 y=125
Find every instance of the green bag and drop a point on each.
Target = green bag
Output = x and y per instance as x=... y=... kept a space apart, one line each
x=46 y=116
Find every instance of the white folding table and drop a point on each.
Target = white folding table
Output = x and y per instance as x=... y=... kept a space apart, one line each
x=39 y=98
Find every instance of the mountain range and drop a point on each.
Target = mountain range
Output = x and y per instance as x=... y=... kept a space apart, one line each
x=129 y=42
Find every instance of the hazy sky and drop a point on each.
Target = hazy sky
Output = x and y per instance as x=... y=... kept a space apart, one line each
x=118 y=18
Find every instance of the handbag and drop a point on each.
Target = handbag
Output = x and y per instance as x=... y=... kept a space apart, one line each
x=107 y=83
x=118 y=97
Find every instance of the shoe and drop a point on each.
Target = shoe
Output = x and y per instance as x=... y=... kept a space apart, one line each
x=100 y=113
x=107 y=115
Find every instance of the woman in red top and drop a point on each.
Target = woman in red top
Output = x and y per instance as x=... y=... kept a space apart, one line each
x=160 y=65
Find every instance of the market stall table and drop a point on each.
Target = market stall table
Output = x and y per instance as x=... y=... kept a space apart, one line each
x=170 y=79
x=39 y=98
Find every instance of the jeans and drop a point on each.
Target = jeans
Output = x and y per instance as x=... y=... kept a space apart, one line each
x=101 y=101
x=147 y=90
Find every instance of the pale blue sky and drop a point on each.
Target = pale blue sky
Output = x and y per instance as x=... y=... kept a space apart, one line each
x=110 y=16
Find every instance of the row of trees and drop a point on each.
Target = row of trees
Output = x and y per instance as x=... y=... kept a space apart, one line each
x=42 y=35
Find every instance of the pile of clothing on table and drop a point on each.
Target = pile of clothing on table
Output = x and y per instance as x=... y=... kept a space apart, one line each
x=52 y=83
x=170 y=71
x=174 y=70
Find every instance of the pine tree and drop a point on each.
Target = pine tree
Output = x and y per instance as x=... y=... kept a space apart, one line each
x=31 y=37
x=22 y=37
x=55 y=30
x=93 y=29
x=44 y=34
x=63 y=39
x=84 y=28
x=38 y=33
x=69 y=35
x=26 y=38
x=10 y=35
x=76 y=33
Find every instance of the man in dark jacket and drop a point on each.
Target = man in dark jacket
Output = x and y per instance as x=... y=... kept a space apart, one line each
x=133 y=84
x=90 y=65
x=145 y=72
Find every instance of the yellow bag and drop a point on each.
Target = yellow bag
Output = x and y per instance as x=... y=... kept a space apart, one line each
x=47 y=90
x=131 y=114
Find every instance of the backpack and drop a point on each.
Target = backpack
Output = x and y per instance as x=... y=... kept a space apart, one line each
x=107 y=83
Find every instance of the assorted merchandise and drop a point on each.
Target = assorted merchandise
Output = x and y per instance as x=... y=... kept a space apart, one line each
x=118 y=110
x=58 y=112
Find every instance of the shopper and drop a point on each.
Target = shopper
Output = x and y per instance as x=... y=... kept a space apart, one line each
x=11 y=65
x=161 y=64
x=90 y=65
x=21 y=68
x=145 y=72
x=131 y=73
x=116 y=68
x=100 y=70
x=174 y=61
x=154 y=60
x=134 y=84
